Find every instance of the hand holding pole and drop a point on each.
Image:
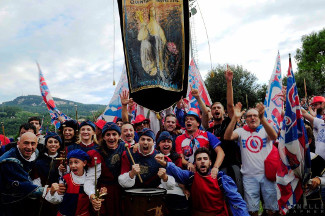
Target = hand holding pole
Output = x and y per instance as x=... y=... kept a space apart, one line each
x=127 y=147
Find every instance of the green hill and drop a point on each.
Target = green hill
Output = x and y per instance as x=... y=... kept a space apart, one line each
x=14 y=113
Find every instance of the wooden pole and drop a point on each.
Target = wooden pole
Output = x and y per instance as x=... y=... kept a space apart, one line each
x=127 y=147
x=4 y=135
x=76 y=106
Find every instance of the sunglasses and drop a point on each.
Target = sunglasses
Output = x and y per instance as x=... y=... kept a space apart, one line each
x=142 y=123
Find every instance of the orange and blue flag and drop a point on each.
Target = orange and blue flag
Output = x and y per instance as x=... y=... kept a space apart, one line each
x=49 y=102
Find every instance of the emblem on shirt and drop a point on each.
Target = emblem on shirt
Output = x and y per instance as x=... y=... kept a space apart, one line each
x=254 y=144
x=115 y=159
x=321 y=136
x=144 y=169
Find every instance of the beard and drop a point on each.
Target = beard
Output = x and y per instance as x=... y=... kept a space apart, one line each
x=217 y=119
x=319 y=111
x=203 y=173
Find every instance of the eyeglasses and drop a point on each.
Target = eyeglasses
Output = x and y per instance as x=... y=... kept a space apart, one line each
x=142 y=123
x=316 y=104
x=251 y=116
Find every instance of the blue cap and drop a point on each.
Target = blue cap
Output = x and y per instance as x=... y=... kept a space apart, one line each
x=164 y=136
x=111 y=126
x=79 y=154
x=147 y=132
x=88 y=122
x=52 y=135
x=194 y=112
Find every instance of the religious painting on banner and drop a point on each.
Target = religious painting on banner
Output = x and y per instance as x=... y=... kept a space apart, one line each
x=156 y=42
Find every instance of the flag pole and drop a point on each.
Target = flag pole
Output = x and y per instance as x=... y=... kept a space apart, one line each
x=305 y=88
x=76 y=106
x=290 y=58
x=4 y=135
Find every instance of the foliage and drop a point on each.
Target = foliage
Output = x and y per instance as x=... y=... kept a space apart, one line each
x=244 y=83
x=16 y=112
x=311 y=64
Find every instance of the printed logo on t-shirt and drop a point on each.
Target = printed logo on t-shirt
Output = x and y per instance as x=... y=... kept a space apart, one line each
x=254 y=144
x=321 y=136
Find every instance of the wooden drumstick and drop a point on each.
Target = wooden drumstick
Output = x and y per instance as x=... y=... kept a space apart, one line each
x=127 y=147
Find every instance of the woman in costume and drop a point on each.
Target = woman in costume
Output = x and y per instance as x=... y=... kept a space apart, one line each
x=108 y=169
x=45 y=171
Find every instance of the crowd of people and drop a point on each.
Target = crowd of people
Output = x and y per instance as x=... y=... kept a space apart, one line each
x=208 y=161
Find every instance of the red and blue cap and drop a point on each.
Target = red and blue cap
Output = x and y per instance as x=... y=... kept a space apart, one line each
x=194 y=112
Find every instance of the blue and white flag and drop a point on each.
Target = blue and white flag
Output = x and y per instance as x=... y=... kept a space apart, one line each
x=293 y=150
x=273 y=103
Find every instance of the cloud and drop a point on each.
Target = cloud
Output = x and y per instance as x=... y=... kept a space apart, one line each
x=73 y=41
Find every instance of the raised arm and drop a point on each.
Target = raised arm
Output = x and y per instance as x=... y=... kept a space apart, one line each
x=230 y=98
x=230 y=134
x=124 y=96
x=268 y=128
x=205 y=112
x=307 y=116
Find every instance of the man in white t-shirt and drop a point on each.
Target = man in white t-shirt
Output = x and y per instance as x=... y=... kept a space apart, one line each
x=319 y=132
x=255 y=140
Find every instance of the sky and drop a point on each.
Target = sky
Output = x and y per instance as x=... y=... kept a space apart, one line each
x=79 y=47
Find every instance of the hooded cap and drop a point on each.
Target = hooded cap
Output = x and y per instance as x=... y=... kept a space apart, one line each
x=52 y=135
x=111 y=126
x=88 y=122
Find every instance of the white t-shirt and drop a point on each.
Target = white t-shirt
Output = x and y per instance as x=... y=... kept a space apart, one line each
x=254 y=147
x=319 y=134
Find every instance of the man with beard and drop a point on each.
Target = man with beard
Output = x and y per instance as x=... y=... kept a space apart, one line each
x=207 y=194
x=16 y=189
x=317 y=105
x=256 y=142
x=170 y=126
x=194 y=138
x=127 y=135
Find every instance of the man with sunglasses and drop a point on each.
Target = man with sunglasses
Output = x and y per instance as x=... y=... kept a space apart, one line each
x=317 y=105
x=256 y=142
x=140 y=122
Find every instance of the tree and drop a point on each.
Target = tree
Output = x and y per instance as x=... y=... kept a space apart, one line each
x=244 y=83
x=261 y=92
x=311 y=64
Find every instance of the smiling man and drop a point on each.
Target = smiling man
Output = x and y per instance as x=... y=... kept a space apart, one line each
x=127 y=135
x=170 y=122
x=16 y=188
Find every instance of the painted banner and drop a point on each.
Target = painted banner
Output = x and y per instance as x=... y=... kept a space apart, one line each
x=293 y=149
x=273 y=102
x=195 y=80
x=49 y=102
x=156 y=42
